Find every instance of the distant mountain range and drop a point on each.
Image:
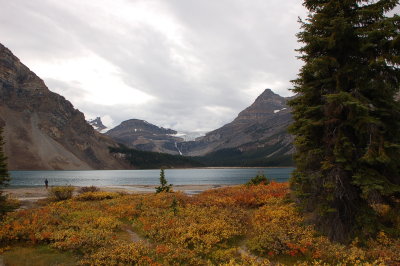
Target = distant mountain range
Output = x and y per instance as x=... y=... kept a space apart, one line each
x=256 y=137
x=42 y=130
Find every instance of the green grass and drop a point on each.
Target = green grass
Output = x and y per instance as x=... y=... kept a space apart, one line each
x=38 y=255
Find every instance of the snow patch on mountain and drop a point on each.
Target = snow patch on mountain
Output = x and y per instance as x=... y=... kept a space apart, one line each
x=189 y=136
x=97 y=124
x=277 y=111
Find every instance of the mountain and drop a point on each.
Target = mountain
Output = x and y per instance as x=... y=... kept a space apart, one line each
x=142 y=135
x=256 y=137
x=155 y=160
x=97 y=124
x=42 y=129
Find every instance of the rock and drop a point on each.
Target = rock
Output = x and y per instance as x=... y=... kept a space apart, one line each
x=261 y=125
x=42 y=129
x=260 y=129
x=97 y=124
x=142 y=135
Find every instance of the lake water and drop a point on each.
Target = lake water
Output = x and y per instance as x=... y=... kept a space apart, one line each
x=100 y=178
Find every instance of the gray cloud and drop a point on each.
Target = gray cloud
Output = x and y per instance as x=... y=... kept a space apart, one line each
x=202 y=62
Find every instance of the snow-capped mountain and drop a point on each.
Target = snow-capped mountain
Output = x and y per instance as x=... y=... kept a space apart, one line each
x=142 y=135
x=97 y=124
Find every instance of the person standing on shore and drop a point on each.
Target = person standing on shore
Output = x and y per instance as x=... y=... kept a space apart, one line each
x=46 y=183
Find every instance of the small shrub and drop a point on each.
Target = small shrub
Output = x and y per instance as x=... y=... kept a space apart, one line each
x=243 y=196
x=61 y=193
x=121 y=253
x=88 y=189
x=174 y=206
x=260 y=178
x=278 y=229
x=8 y=204
x=96 y=196
x=227 y=226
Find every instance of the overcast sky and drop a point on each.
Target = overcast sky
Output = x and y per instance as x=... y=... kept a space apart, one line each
x=183 y=64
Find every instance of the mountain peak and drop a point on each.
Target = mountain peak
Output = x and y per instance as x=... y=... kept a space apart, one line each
x=97 y=124
x=133 y=122
x=142 y=135
x=267 y=94
x=137 y=125
x=264 y=107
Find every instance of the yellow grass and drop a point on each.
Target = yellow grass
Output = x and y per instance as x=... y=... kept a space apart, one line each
x=242 y=225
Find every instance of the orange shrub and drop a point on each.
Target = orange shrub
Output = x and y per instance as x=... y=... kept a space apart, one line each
x=385 y=248
x=194 y=227
x=278 y=229
x=243 y=196
x=205 y=229
x=100 y=195
x=65 y=225
x=61 y=193
x=121 y=253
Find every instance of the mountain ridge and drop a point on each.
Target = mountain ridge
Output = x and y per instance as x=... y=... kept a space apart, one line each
x=42 y=130
x=262 y=123
x=97 y=124
x=257 y=134
x=142 y=135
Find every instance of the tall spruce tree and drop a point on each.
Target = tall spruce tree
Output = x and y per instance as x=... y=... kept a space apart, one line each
x=346 y=118
x=4 y=177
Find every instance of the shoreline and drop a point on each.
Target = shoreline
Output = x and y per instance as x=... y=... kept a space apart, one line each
x=29 y=193
x=177 y=168
x=29 y=196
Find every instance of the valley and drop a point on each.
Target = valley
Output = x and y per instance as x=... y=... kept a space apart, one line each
x=256 y=137
x=43 y=130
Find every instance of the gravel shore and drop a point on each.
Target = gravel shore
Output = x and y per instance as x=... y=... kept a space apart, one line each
x=29 y=195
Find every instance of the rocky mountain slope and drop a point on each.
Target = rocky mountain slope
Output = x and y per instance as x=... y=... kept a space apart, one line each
x=258 y=133
x=42 y=129
x=141 y=135
x=257 y=137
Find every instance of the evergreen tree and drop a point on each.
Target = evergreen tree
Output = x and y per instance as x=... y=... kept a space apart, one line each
x=163 y=182
x=346 y=118
x=174 y=206
x=4 y=177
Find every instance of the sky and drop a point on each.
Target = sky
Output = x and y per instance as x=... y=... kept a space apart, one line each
x=190 y=65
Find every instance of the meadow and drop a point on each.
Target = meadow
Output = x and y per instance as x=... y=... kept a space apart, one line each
x=238 y=225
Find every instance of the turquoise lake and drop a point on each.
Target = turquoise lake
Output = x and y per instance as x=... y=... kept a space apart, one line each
x=220 y=176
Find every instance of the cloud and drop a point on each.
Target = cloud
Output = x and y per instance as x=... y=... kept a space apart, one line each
x=186 y=64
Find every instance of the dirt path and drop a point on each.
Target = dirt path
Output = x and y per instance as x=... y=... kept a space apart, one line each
x=29 y=203
x=246 y=253
x=134 y=236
